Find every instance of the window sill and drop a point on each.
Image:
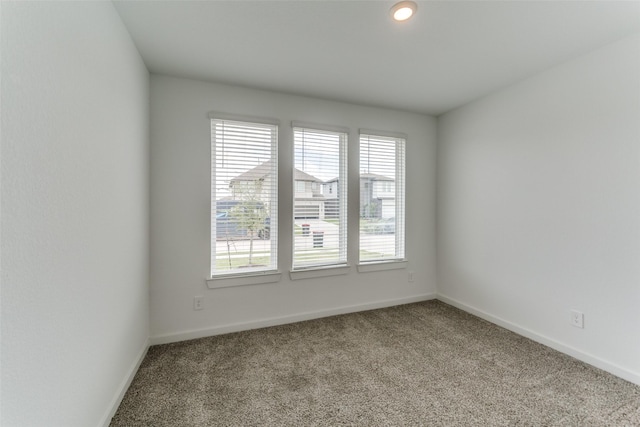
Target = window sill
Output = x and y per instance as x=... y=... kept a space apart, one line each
x=382 y=265
x=312 y=273
x=243 y=280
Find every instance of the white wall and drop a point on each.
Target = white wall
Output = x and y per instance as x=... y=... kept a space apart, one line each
x=74 y=172
x=180 y=197
x=539 y=207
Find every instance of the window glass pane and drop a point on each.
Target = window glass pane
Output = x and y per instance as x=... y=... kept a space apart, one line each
x=381 y=198
x=244 y=197
x=320 y=221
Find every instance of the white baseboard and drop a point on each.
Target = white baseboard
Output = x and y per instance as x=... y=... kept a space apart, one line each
x=549 y=342
x=124 y=386
x=281 y=320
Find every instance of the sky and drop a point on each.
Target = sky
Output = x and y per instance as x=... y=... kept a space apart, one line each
x=239 y=149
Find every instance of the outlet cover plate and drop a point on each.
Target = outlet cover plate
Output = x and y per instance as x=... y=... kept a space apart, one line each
x=577 y=319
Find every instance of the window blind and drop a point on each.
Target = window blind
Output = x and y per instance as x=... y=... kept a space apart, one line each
x=382 y=197
x=244 y=197
x=320 y=198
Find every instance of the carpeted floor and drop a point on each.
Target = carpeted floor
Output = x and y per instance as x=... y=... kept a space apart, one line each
x=424 y=364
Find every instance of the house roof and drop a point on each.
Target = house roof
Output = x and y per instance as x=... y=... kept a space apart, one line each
x=370 y=176
x=303 y=176
x=255 y=174
x=264 y=169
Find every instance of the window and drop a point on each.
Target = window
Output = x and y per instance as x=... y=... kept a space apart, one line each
x=382 y=195
x=320 y=223
x=244 y=196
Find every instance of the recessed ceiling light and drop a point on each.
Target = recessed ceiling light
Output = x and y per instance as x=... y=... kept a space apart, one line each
x=403 y=10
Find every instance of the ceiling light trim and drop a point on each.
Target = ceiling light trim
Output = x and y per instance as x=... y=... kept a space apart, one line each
x=403 y=10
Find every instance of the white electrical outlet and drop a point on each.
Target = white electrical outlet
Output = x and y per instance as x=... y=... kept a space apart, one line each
x=411 y=278
x=198 y=303
x=577 y=319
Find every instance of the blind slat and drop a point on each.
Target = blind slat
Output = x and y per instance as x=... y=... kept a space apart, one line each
x=382 y=188
x=244 y=196
x=320 y=194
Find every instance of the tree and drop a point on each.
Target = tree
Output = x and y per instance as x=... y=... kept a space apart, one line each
x=372 y=209
x=249 y=214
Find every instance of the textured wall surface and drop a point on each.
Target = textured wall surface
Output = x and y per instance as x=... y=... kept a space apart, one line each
x=538 y=206
x=74 y=211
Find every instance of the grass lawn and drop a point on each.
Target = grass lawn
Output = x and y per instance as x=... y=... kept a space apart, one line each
x=369 y=255
x=222 y=264
x=302 y=256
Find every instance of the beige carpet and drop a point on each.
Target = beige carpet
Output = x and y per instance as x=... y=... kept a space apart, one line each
x=424 y=364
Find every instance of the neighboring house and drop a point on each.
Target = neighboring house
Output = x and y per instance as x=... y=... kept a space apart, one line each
x=330 y=191
x=253 y=182
x=315 y=199
x=330 y=188
x=309 y=200
x=377 y=196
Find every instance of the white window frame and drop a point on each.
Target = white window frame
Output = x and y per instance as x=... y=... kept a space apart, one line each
x=341 y=266
x=270 y=273
x=399 y=260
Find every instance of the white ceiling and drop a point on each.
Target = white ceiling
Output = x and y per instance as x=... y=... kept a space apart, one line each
x=450 y=53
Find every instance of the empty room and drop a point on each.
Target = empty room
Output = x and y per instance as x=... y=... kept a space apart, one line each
x=319 y=213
